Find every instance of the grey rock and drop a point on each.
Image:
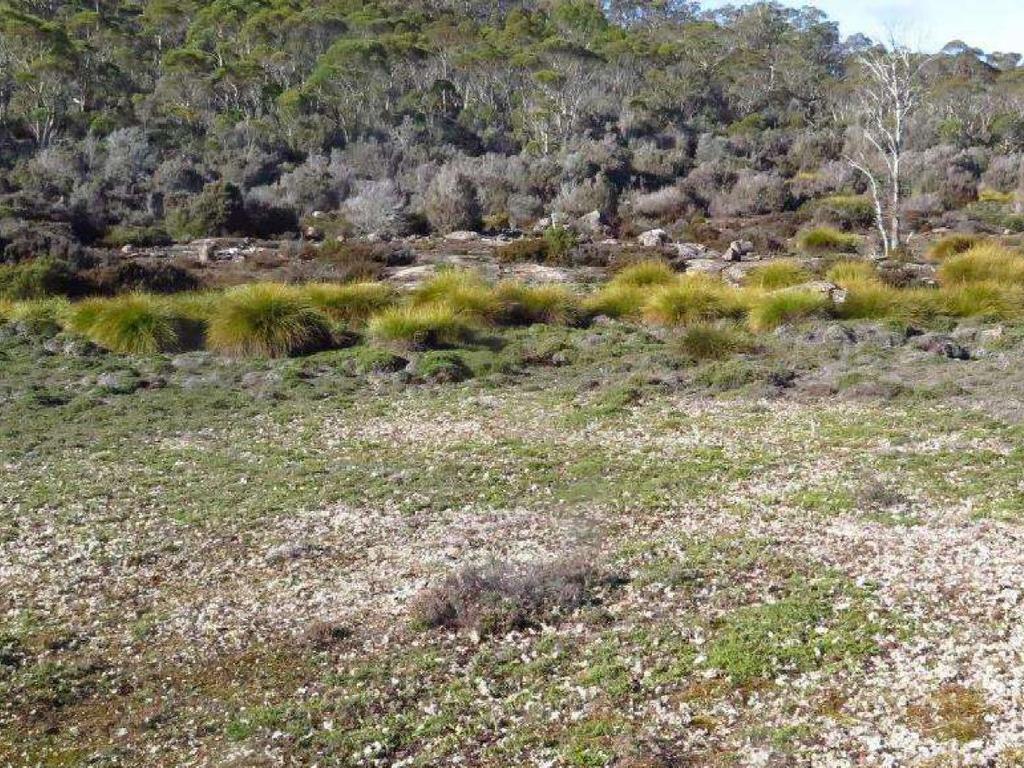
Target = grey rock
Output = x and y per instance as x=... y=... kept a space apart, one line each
x=290 y=550
x=940 y=344
x=652 y=238
x=737 y=250
x=119 y=382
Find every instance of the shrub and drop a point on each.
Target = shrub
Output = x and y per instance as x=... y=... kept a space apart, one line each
x=777 y=274
x=787 y=306
x=532 y=250
x=501 y=597
x=617 y=301
x=645 y=274
x=525 y=305
x=378 y=208
x=952 y=245
x=266 y=320
x=421 y=327
x=694 y=299
x=350 y=302
x=752 y=194
x=450 y=202
x=38 y=279
x=846 y=272
x=218 y=210
x=983 y=263
x=845 y=211
x=705 y=341
x=135 y=324
x=160 y=277
x=440 y=367
x=461 y=290
x=139 y=237
x=827 y=239
x=560 y=241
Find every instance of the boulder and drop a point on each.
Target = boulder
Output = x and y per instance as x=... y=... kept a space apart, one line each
x=462 y=236
x=941 y=344
x=690 y=251
x=652 y=238
x=590 y=223
x=706 y=266
x=737 y=250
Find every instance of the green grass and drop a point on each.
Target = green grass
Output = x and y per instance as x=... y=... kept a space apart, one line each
x=428 y=326
x=987 y=262
x=463 y=291
x=952 y=245
x=869 y=300
x=266 y=320
x=784 y=273
x=705 y=341
x=134 y=324
x=39 y=315
x=36 y=279
x=827 y=240
x=800 y=632
x=694 y=299
x=645 y=274
x=787 y=306
x=350 y=302
x=526 y=304
x=617 y=301
x=851 y=271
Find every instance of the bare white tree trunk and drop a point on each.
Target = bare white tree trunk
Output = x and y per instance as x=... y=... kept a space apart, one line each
x=890 y=93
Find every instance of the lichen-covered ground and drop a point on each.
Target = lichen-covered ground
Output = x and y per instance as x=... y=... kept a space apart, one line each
x=814 y=554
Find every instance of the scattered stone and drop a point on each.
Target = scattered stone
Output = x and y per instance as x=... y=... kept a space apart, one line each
x=190 y=361
x=941 y=344
x=462 y=236
x=833 y=292
x=290 y=550
x=705 y=266
x=653 y=238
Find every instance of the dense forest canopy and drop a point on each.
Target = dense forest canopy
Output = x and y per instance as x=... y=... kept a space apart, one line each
x=199 y=117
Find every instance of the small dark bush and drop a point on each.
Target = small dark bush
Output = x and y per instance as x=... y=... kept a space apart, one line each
x=38 y=279
x=530 y=249
x=150 y=278
x=139 y=237
x=502 y=597
x=439 y=367
x=217 y=210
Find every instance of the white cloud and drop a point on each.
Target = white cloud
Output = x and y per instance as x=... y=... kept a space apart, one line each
x=996 y=25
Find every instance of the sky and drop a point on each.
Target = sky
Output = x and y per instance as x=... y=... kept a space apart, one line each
x=992 y=25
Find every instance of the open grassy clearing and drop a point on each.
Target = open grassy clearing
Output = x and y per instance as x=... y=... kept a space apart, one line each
x=218 y=561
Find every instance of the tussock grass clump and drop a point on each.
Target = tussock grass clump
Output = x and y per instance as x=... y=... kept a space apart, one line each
x=694 y=299
x=849 y=272
x=869 y=300
x=826 y=240
x=427 y=326
x=6 y=309
x=777 y=274
x=266 y=320
x=707 y=341
x=983 y=263
x=350 y=302
x=617 y=301
x=38 y=279
x=39 y=315
x=952 y=245
x=645 y=274
x=134 y=324
x=463 y=291
x=791 y=305
x=525 y=304
x=989 y=300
